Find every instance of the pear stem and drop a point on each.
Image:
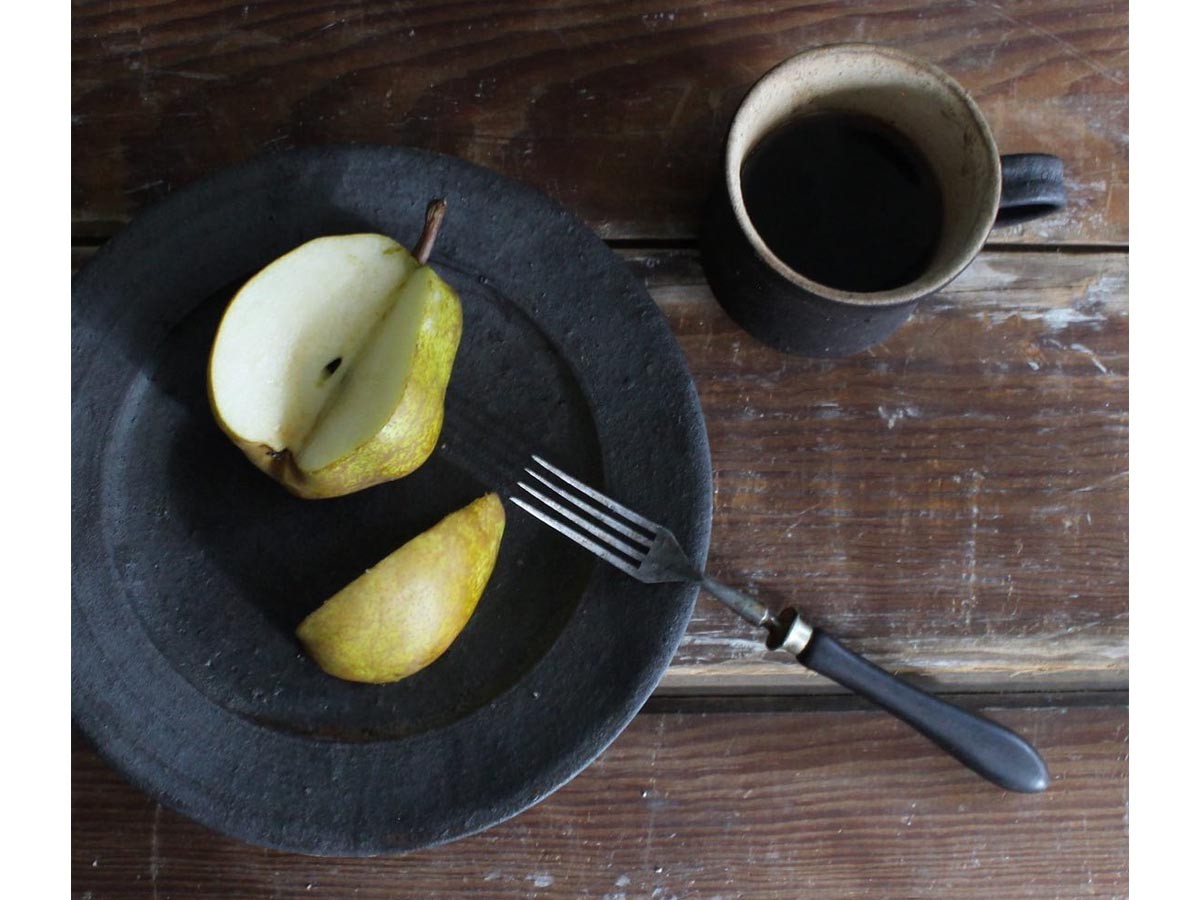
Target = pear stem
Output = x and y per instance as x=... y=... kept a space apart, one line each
x=434 y=213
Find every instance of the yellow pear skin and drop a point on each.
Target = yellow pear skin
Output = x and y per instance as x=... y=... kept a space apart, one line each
x=401 y=615
x=409 y=436
x=330 y=366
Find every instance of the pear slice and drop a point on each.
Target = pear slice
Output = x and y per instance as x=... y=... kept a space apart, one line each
x=402 y=614
x=330 y=366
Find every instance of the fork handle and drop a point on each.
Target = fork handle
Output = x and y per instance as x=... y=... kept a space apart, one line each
x=995 y=752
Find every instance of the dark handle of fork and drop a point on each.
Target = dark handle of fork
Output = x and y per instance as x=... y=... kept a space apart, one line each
x=995 y=752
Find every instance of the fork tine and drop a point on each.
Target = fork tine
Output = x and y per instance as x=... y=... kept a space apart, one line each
x=600 y=498
x=612 y=523
x=585 y=542
x=613 y=542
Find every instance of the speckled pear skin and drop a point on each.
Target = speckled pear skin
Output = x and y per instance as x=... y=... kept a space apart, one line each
x=181 y=549
x=410 y=435
x=401 y=615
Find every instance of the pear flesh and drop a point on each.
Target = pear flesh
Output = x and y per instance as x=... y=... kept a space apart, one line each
x=330 y=366
x=404 y=613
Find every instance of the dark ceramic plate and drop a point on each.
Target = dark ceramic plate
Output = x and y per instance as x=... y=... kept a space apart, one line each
x=191 y=569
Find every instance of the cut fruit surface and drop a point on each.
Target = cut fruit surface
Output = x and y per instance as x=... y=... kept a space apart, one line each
x=329 y=369
x=292 y=334
x=369 y=392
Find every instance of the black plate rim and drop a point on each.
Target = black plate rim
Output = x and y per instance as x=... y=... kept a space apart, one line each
x=120 y=723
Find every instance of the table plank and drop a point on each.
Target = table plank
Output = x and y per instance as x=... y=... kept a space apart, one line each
x=954 y=500
x=847 y=804
x=617 y=109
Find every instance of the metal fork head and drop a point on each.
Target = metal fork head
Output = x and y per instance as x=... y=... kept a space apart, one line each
x=621 y=537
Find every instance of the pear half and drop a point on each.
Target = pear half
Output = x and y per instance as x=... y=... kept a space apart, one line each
x=330 y=366
x=402 y=614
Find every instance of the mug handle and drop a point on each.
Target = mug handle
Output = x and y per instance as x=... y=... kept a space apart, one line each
x=1031 y=186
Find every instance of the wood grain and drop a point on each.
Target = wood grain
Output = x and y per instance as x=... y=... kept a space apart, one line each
x=953 y=502
x=829 y=805
x=617 y=109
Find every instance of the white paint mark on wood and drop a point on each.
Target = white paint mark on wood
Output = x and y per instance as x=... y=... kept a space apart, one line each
x=189 y=74
x=1070 y=48
x=968 y=605
x=1090 y=354
x=1087 y=489
x=143 y=187
x=1060 y=317
x=896 y=415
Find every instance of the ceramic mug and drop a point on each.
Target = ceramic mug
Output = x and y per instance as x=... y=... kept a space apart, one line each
x=979 y=189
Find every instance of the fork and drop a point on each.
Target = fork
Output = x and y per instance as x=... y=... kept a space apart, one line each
x=650 y=553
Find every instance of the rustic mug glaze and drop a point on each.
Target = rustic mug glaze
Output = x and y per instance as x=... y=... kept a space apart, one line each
x=980 y=189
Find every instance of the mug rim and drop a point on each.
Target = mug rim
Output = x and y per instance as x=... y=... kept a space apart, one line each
x=905 y=293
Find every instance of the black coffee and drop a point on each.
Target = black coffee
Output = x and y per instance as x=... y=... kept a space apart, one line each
x=845 y=200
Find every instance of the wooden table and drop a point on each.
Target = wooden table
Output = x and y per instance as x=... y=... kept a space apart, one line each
x=953 y=501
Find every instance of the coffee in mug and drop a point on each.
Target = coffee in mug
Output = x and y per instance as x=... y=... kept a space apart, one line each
x=857 y=179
